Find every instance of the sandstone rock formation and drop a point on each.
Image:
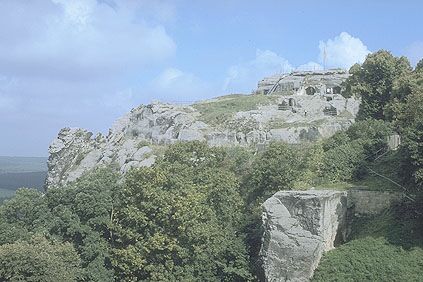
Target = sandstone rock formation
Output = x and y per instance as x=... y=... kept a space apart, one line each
x=304 y=82
x=134 y=139
x=299 y=226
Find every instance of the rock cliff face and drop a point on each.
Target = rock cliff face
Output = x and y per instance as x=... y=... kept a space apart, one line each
x=133 y=139
x=299 y=226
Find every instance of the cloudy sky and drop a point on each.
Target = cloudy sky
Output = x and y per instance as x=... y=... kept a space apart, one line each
x=83 y=63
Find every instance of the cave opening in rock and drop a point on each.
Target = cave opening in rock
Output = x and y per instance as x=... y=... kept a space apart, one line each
x=336 y=90
x=310 y=90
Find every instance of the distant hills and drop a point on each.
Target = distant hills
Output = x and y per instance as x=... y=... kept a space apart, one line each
x=22 y=164
x=17 y=172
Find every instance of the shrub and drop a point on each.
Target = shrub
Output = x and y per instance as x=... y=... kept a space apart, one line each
x=283 y=167
x=372 y=134
x=38 y=260
x=370 y=259
x=342 y=163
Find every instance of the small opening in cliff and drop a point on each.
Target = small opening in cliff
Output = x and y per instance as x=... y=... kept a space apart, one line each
x=337 y=90
x=310 y=90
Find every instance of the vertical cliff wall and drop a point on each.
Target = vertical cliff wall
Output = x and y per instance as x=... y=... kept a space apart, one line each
x=299 y=226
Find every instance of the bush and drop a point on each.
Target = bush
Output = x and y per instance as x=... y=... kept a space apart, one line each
x=372 y=134
x=283 y=167
x=347 y=153
x=338 y=139
x=370 y=259
x=38 y=260
x=343 y=163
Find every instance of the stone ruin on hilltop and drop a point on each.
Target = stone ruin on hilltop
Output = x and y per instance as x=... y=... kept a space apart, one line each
x=327 y=84
x=324 y=82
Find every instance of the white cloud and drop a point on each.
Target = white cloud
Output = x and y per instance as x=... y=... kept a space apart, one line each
x=75 y=63
x=244 y=77
x=343 y=51
x=78 y=38
x=120 y=101
x=178 y=85
x=310 y=66
x=415 y=52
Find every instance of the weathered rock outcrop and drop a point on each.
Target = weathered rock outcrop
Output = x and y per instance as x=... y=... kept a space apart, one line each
x=299 y=226
x=132 y=140
x=309 y=107
x=304 y=82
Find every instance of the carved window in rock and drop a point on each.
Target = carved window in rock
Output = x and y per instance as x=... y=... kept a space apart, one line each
x=310 y=90
x=337 y=90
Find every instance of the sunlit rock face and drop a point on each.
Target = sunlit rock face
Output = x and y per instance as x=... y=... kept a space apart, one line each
x=258 y=119
x=299 y=226
x=320 y=82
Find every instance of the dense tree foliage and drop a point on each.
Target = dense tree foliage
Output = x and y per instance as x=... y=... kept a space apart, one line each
x=39 y=260
x=78 y=213
x=347 y=153
x=278 y=168
x=390 y=90
x=180 y=220
x=373 y=81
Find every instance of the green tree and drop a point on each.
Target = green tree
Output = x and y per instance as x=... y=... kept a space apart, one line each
x=180 y=220
x=38 y=260
x=410 y=124
x=343 y=163
x=282 y=167
x=373 y=81
x=79 y=213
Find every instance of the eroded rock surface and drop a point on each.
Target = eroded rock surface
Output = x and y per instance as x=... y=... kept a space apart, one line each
x=299 y=226
x=132 y=140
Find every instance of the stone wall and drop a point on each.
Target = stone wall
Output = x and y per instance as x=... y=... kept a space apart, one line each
x=370 y=203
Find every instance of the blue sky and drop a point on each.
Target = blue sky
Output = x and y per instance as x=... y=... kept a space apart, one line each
x=84 y=63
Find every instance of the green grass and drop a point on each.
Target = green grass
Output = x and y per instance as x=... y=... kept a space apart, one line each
x=371 y=259
x=388 y=247
x=219 y=110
